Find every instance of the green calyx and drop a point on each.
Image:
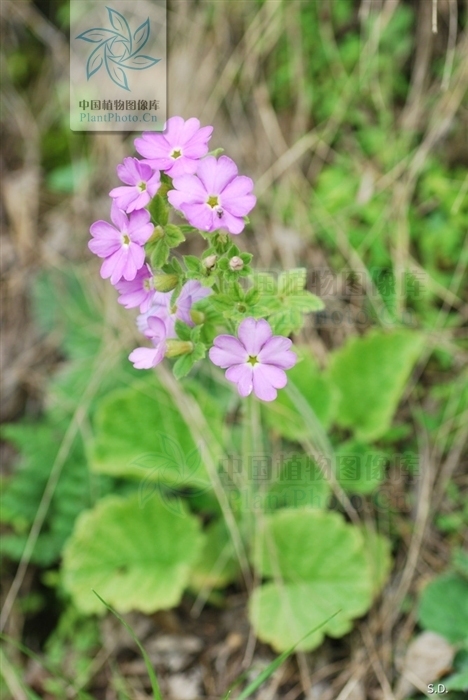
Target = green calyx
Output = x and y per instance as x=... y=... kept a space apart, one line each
x=178 y=347
x=165 y=283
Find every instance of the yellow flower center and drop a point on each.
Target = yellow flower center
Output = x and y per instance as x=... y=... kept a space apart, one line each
x=142 y=186
x=212 y=201
x=176 y=153
x=252 y=360
x=125 y=239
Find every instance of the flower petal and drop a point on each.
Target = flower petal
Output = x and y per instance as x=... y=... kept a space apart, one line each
x=174 y=130
x=226 y=171
x=140 y=201
x=182 y=166
x=231 y=223
x=104 y=247
x=207 y=171
x=156 y=328
x=197 y=147
x=200 y=215
x=124 y=196
x=128 y=171
x=145 y=358
x=243 y=376
x=102 y=229
x=119 y=217
x=135 y=261
x=191 y=187
x=227 y=350
x=153 y=146
x=276 y=352
x=266 y=379
x=189 y=129
x=254 y=334
x=113 y=266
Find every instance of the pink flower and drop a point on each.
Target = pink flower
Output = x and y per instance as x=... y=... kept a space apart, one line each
x=142 y=184
x=177 y=150
x=256 y=360
x=145 y=358
x=216 y=197
x=138 y=292
x=122 y=246
x=192 y=291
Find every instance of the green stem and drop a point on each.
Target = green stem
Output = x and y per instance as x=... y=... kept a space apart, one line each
x=251 y=456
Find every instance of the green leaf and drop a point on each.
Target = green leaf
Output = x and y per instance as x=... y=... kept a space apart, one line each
x=140 y=433
x=192 y=263
x=185 y=363
x=300 y=483
x=444 y=607
x=285 y=322
x=460 y=562
x=159 y=254
x=217 y=563
x=76 y=490
x=304 y=301
x=377 y=549
x=457 y=681
x=137 y=555
x=159 y=210
x=187 y=229
x=69 y=178
x=149 y=666
x=221 y=302
x=371 y=373
x=292 y=281
x=173 y=235
x=183 y=330
x=275 y=664
x=285 y=417
x=323 y=567
x=359 y=467
x=182 y=366
x=65 y=303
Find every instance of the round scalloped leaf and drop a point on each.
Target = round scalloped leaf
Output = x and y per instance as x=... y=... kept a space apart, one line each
x=217 y=564
x=371 y=373
x=140 y=433
x=378 y=552
x=360 y=468
x=320 y=567
x=137 y=557
x=300 y=483
x=444 y=607
x=287 y=418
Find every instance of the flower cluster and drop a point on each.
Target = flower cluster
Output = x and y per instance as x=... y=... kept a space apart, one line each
x=185 y=302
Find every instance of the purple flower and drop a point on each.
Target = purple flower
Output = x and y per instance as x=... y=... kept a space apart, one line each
x=192 y=291
x=141 y=182
x=145 y=358
x=138 y=292
x=256 y=360
x=177 y=150
x=216 y=197
x=122 y=247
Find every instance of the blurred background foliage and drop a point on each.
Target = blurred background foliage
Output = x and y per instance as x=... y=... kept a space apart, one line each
x=351 y=118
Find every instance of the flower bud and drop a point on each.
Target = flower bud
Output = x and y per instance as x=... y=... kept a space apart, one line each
x=198 y=317
x=165 y=283
x=157 y=234
x=210 y=261
x=236 y=263
x=178 y=347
